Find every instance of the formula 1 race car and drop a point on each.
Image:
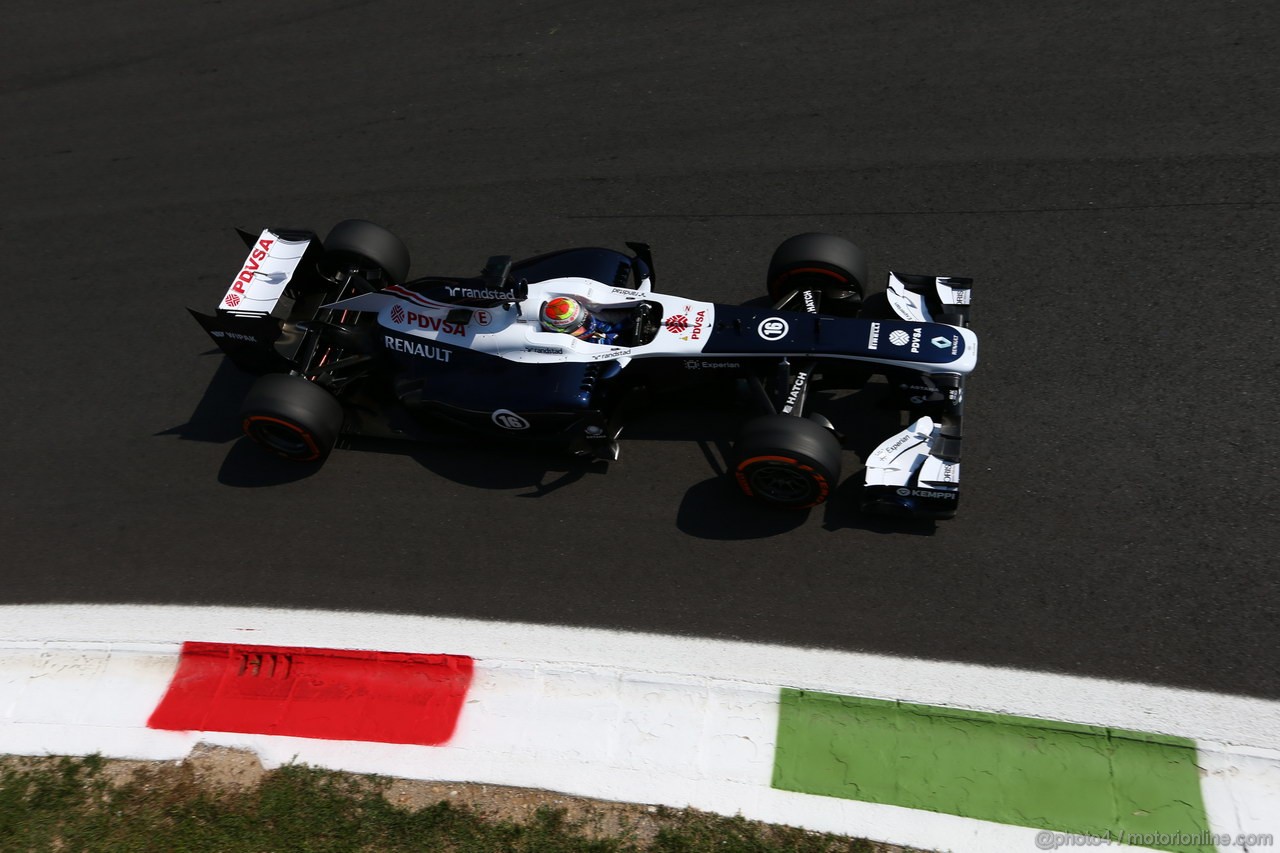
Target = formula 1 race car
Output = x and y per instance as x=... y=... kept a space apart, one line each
x=339 y=332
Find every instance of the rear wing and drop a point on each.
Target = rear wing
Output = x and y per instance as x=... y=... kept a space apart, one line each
x=274 y=260
x=246 y=325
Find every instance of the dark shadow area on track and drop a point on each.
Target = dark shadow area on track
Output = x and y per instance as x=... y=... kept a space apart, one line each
x=841 y=512
x=471 y=462
x=214 y=417
x=714 y=509
x=711 y=509
x=247 y=466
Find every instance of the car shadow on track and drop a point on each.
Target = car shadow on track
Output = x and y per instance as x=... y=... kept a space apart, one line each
x=841 y=512
x=715 y=509
x=711 y=508
x=471 y=461
x=490 y=464
x=248 y=466
x=214 y=418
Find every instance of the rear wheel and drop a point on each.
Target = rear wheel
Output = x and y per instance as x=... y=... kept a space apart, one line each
x=787 y=461
x=292 y=417
x=830 y=265
x=369 y=248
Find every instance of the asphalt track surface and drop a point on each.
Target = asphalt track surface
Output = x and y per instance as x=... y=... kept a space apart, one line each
x=1108 y=174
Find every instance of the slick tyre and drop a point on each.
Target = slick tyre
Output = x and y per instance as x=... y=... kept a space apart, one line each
x=366 y=246
x=787 y=462
x=828 y=264
x=292 y=417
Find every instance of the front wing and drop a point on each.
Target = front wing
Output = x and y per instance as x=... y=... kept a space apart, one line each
x=915 y=473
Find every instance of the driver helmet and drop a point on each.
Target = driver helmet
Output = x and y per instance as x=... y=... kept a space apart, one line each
x=566 y=314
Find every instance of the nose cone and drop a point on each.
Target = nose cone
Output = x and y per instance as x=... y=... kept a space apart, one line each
x=969 y=358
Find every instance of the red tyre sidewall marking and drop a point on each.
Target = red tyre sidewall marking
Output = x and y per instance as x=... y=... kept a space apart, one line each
x=303 y=434
x=824 y=488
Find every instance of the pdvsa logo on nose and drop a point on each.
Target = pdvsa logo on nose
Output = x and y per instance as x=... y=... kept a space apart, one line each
x=774 y=329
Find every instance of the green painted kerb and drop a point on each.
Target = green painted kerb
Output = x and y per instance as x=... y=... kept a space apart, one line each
x=1017 y=770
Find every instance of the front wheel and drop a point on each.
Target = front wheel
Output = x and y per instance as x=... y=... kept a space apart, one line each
x=829 y=265
x=292 y=417
x=785 y=461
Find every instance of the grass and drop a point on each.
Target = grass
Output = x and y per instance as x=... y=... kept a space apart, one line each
x=71 y=804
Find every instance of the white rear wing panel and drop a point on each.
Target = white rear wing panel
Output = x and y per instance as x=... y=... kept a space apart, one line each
x=264 y=275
